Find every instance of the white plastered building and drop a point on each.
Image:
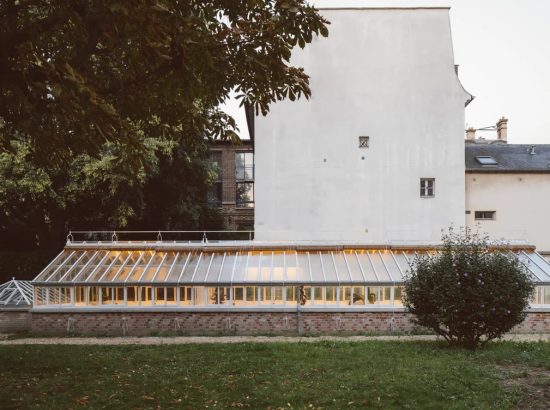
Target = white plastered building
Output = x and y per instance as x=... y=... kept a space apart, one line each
x=388 y=75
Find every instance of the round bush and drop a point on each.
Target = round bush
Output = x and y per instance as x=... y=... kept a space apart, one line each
x=471 y=292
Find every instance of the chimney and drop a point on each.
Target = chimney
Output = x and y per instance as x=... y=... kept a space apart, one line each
x=502 y=129
x=471 y=134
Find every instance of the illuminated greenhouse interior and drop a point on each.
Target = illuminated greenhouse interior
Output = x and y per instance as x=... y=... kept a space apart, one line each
x=141 y=275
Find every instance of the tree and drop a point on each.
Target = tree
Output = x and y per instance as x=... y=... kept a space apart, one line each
x=106 y=107
x=77 y=74
x=470 y=292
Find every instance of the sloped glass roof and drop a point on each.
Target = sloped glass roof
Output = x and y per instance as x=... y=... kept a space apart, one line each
x=16 y=293
x=196 y=267
x=156 y=265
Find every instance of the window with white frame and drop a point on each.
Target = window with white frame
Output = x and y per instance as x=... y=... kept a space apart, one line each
x=427 y=187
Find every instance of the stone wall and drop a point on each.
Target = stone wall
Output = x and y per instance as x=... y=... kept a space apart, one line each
x=240 y=323
x=14 y=320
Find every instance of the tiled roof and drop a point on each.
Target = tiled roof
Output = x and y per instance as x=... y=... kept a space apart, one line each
x=509 y=157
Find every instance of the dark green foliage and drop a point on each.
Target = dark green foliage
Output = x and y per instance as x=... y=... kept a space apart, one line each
x=470 y=292
x=23 y=265
x=77 y=74
x=106 y=107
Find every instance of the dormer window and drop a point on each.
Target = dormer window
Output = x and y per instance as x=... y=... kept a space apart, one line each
x=487 y=161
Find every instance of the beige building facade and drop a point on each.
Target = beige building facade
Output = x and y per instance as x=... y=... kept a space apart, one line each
x=508 y=189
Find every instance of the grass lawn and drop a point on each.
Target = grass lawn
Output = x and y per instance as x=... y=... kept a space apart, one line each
x=374 y=374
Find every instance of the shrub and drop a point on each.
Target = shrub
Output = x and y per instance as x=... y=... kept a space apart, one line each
x=471 y=292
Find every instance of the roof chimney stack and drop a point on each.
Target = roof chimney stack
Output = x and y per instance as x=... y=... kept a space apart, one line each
x=471 y=134
x=502 y=129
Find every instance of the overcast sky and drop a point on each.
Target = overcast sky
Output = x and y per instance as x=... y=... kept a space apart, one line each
x=503 y=49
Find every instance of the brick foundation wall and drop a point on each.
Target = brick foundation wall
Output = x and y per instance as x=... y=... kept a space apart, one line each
x=240 y=323
x=15 y=321
x=536 y=322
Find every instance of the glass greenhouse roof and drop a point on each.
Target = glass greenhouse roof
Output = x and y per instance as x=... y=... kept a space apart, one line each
x=16 y=293
x=143 y=264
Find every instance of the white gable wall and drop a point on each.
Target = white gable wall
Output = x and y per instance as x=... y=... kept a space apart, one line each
x=387 y=74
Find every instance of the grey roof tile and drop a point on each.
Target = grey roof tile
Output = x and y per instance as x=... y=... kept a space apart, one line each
x=510 y=157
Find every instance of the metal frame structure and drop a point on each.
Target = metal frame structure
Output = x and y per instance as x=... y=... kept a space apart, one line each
x=137 y=274
x=16 y=294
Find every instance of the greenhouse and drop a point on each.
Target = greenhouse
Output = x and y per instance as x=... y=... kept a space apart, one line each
x=16 y=294
x=237 y=275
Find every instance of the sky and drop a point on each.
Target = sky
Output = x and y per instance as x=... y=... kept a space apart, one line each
x=503 y=49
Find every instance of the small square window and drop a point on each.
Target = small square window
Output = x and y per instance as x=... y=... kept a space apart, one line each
x=363 y=142
x=485 y=215
x=427 y=187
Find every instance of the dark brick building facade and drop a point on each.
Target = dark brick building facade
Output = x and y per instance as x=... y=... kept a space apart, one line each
x=233 y=191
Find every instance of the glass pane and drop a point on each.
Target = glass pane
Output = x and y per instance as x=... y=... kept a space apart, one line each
x=313 y=262
x=57 y=262
x=365 y=263
x=342 y=268
x=227 y=268
x=170 y=296
x=214 y=272
x=318 y=295
x=358 y=295
x=93 y=295
x=244 y=273
x=138 y=269
x=66 y=266
x=203 y=267
x=266 y=261
x=153 y=267
x=398 y=295
x=145 y=295
x=108 y=267
x=278 y=295
x=265 y=295
x=331 y=295
x=80 y=295
x=67 y=275
x=185 y=295
x=251 y=294
x=116 y=268
x=380 y=267
x=190 y=268
x=354 y=268
x=132 y=295
x=160 y=295
x=106 y=296
x=297 y=267
x=372 y=294
x=165 y=267
x=345 y=295
x=81 y=273
x=328 y=266
x=40 y=296
x=176 y=268
x=118 y=294
x=245 y=194
x=123 y=273
x=291 y=295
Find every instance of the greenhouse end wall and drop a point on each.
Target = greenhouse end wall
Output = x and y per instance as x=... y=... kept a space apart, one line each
x=137 y=323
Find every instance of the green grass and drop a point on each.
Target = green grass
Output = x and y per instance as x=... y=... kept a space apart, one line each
x=305 y=375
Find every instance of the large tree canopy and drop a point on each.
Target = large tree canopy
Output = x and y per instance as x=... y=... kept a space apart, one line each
x=106 y=106
x=77 y=74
